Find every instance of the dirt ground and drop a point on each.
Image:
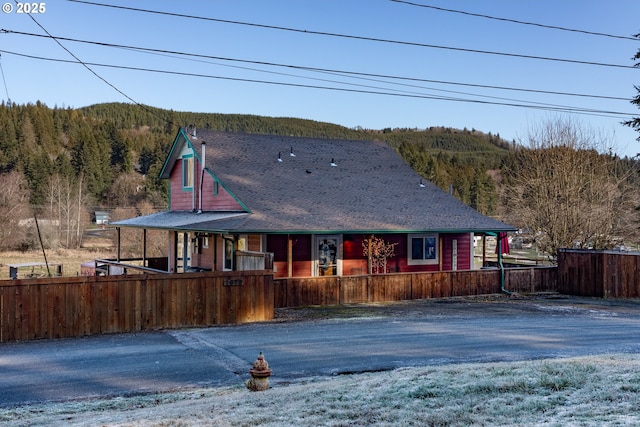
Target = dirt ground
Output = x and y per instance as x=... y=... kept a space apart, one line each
x=71 y=259
x=456 y=306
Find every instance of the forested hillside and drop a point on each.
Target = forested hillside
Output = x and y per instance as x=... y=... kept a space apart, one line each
x=455 y=160
x=68 y=162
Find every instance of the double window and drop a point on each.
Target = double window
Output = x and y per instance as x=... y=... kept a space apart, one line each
x=423 y=249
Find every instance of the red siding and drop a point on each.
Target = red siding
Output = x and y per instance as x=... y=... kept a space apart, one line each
x=183 y=200
x=277 y=244
x=401 y=258
x=223 y=201
x=301 y=255
x=355 y=263
x=205 y=258
x=464 y=251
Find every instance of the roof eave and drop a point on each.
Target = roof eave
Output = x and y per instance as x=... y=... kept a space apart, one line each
x=321 y=231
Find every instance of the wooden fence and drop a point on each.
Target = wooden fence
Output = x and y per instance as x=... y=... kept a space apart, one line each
x=298 y=292
x=604 y=274
x=78 y=306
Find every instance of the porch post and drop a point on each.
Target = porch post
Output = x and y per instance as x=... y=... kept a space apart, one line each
x=370 y=256
x=118 y=238
x=484 y=250
x=144 y=247
x=214 y=262
x=289 y=256
x=175 y=251
x=185 y=251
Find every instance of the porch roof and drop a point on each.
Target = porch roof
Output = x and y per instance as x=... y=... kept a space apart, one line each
x=240 y=222
x=177 y=220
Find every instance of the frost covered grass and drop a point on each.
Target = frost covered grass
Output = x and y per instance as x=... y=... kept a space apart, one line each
x=586 y=391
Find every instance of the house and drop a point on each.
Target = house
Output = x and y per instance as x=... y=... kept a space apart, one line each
x=314 y=204
x=102 y=217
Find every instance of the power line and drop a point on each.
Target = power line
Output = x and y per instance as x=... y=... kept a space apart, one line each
x=317 y=69
x=79 y=61
x=567 y=109
x=515 y=21
x=5 y=82
x=354 y=37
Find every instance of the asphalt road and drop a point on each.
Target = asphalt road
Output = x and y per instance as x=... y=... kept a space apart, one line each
x=310 y=342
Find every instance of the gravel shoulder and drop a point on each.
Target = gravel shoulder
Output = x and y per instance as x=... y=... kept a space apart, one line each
x=494 y=304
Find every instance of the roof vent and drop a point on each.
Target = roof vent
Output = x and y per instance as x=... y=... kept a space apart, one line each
x=279 y=157
x=421 y=183
x=333 y=163
x=292 y=154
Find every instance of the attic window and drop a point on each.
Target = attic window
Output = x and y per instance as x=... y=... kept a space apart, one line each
x=187 y=172
x=216 y=189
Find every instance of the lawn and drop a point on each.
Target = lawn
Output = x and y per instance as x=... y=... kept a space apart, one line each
x=587 y=391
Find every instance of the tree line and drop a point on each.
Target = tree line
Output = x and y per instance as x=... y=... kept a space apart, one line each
x=60 y=164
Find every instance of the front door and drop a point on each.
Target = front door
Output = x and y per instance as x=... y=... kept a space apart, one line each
x=327 y=250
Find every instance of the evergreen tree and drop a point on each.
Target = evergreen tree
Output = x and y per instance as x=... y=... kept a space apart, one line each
x=635 y=122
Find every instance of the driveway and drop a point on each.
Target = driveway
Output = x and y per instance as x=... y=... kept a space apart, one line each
x=308 y=342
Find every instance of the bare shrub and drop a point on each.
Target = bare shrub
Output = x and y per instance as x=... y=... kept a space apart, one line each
x=569 y=189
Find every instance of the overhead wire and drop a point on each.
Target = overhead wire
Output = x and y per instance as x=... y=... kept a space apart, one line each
x=5 y=82
x=317 y=69
x=347 y=74
x=516 y=21
x=353 y=37
x=378 y=91
x=57 y=41
x=360 y=77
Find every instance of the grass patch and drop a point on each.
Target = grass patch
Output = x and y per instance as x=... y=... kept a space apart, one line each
x=589 y=391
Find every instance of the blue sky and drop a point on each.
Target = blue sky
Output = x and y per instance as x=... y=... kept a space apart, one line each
x=451 y=37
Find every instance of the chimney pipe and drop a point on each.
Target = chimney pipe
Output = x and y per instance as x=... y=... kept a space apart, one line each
x=203 y=166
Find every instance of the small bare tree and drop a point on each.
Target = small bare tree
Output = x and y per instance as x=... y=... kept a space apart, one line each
x=569 y=189
x=15 y=212
x=67 y=210
x=378 y=251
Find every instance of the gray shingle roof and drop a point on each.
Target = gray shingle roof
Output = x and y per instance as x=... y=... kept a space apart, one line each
x=370 y=188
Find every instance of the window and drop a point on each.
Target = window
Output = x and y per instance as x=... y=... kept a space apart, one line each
x=187 y=172
x=228 y=254
x=215 y=188
x=328 y=256
x=423 y=249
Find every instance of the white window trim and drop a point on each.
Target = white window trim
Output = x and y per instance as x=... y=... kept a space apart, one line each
x=187 y=175
x=226 y=241
x=314 y=241
x=431 y=261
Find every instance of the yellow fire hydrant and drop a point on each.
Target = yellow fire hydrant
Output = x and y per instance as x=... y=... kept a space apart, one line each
x=259 y=375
